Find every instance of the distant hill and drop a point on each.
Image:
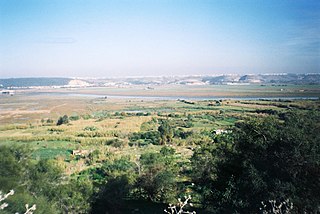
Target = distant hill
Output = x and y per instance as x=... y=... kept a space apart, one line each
x=28 y=82
x=264 y=78
x=306 y=79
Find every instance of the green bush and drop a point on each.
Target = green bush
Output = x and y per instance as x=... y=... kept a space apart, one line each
x=149 y=136
x=63 y=120
x=158 y=179
x=74 y=117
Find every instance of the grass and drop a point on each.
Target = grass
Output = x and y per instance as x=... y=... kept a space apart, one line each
x=45 y=149
x=47 y=153
x=225 y=122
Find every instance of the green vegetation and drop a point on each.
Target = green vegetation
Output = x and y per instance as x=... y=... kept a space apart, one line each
x=63 y=120
x=41 y=183
x=166 y=132
x=261 y=159
x=122 y=156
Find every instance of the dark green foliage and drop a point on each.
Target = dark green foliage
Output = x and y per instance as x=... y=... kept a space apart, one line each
x=149 y=137
x=143 y=114
x=43 y=178
x=19 y=199
x=139 y=143
x=174 y=115
x=166 y=132
x=117 y=143
x=210 y=133
x=40 y=183
x=118 y=179
x=158 y=179
x=167 y=151
x=49 y=121
x=119 y=167
x=187 y=102
x=180 y=133
x=265 y=159
x=75 y=196
x=267 y=111
x=13 y=161
x=112 y=195
x=63 y=120
x=17 y=173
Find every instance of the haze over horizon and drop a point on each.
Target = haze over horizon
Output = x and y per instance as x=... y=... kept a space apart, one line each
x=78 y=38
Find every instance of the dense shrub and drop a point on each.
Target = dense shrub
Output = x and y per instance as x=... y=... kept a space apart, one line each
x=150 y=137
x=262 y=159
x=158 y=178
x=63 y=120
x=180 y=133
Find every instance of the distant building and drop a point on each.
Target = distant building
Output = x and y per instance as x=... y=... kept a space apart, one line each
x=220 y=131
x=80 y=152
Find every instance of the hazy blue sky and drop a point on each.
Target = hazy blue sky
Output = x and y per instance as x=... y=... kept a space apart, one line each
x=158 y=37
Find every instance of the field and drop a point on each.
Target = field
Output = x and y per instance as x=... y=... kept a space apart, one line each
x=124 y=122
x=24 y=117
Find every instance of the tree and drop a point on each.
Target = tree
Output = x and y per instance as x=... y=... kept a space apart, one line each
x=264 y=159
x=17 y=204
x=75 y=196
x=40 y=183
x=158 y=179
x=148 y=137
x=13 y=163
x=16 y=172
x=119 y=179
x=166 y=132
x=112 y=194
x=43 y=179
x=63 y=120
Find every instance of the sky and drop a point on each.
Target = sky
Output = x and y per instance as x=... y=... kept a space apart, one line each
x=112 y=38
